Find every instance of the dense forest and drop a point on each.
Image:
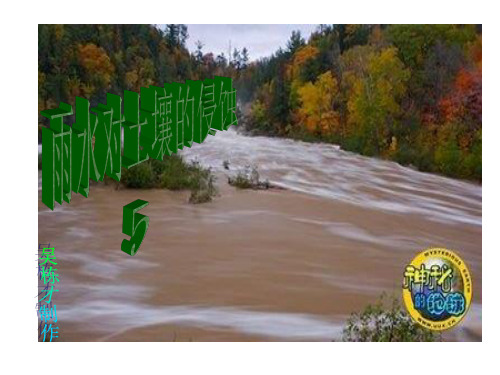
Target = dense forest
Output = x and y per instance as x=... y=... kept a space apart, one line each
x=409 y=93
x=92 y=60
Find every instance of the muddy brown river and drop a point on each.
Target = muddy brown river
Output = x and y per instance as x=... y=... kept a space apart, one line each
x=269 y=265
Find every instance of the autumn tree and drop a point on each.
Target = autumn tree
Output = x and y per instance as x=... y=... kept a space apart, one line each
x=97 y=66
x=317 y=105
x=373 y=101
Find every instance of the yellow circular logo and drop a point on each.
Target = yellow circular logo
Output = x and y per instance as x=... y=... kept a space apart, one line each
x=437 y=289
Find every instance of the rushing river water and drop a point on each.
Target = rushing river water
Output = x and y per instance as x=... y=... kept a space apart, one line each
x=327 y=171
x=259 y=265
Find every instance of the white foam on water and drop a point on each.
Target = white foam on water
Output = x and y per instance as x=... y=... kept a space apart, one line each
x=327 y=171
x=109 y=265
x=115 y=318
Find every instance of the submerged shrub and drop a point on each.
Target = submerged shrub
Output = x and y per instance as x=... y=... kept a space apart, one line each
x=172 y=173
x=175 y=174
x=139 y=176
x=204 y=189
x=248 y=178
x=382 y=322
x=202 y=184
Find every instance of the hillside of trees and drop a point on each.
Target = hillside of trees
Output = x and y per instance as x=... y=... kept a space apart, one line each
x=409 y=93
x=92 y=60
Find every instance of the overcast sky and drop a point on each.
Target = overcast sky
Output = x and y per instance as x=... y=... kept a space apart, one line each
x=260 y=40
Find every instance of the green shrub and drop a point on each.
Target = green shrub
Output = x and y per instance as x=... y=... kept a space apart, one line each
x=175 y=174
x=241 y=181
x=139 y=176
x=380 y=322
x=448 y=158
x=248 y=178
x=473 y=160
x=172 y=173
x=404 y=155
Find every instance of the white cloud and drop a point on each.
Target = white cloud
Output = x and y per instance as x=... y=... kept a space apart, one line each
x=260 y=40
